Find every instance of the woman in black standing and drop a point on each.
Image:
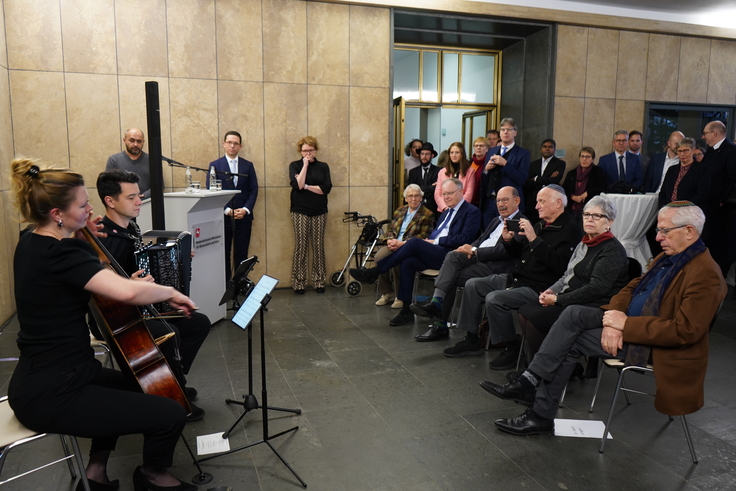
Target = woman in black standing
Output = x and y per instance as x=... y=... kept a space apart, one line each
x=58 y=386
x=310 y=185
x=584 y=182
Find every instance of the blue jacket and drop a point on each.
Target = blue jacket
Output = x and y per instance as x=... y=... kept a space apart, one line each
x=248 y=185
x=654 y=172
x=609 y=163
x=464 y=228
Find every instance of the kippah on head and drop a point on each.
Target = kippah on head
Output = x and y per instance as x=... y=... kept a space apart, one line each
x=555 y=187
x=679 y=204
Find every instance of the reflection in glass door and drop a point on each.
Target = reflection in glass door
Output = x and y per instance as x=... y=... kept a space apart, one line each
x=398 y=153
x=475 y=124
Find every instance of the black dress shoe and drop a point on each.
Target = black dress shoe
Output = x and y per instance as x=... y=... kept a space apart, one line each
x=196 y=414
x=434 y=333
x=365 y=275
x=513 y=391
x=514 y=376
x=299 y=292
x=526 y=424
x=98 y=486
x=404 y=317
x=506 y=360
x=426 y=309
x=191 y=393
x=320 y=290
x=141 y=483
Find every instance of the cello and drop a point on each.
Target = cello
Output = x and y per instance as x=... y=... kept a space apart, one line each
x=124 y=330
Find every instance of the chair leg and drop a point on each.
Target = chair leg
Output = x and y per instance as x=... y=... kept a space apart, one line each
x=67 y=453
x=521 y=351
x=610 y=412
x=689 y=440
x=597 y=384
x=562 y=399
x=80 y=463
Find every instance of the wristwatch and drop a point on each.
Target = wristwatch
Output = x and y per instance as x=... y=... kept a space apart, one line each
x=474 y=250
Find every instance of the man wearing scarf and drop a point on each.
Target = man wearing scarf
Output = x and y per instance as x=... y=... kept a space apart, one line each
x=664 y=316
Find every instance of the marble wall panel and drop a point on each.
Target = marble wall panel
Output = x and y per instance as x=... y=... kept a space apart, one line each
x=572 y=53
x=239 y=40
x=369 y=136
x=721 y=89
x=194 y=135
x=33 y=31
x=629 y=115
x=368 y=200
x=337 y=244
x=328 y=119
x=140 y=29
x=10 y=230
x=631 y=80
x=240 y=108
x=568 y=127
x=370 y=46
x=6 y=130
x=88 y=34
x=279 y=235
x=694 y=65
x=191 y=38
x=3 y=41
x=94 y=199
x=258 y=240
x=285 y=41
x=328 y=60
x=661 y=67
x=602 y=64
x=38 y=103
x=285 y=122
x=598 y=126
x=92 y=113
x=132 y=94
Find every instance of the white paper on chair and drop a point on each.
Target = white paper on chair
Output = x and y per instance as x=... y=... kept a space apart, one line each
x=214 y=443
x=580 y=428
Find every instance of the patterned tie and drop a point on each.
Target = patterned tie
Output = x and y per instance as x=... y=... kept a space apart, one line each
x=444 y=223
x=504 y=150
x=621 y=171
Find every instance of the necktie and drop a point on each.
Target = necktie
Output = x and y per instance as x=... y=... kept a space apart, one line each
x=424 y=173
x=442 y=226
x=234 y=168
x=503 y=151
x=621 y=171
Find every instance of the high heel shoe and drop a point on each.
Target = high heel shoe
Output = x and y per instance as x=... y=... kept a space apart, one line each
x=98 y=486
x=141 y=483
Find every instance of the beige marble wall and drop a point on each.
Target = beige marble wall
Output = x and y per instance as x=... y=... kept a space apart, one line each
x=604 y=77
x=274 y=70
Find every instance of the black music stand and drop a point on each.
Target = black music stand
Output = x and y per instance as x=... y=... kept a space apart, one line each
x=256 y=302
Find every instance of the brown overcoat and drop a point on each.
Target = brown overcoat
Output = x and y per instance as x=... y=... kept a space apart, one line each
x=679 y=335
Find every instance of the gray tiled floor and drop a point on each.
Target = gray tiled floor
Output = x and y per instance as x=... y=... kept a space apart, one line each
x=382 y=412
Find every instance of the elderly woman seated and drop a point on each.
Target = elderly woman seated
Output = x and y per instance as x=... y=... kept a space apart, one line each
x=597 y=270
x=411 y=220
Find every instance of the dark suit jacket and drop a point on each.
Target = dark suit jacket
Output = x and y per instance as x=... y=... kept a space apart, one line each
x=634 y=176
x=536 y=180
x=248 y=184
x=512 y=174
x=722 y=166
x=427 y=184
x=463 y=229
x=694 y=186
x=497 y=252
x=596 y=184
x=654 y=172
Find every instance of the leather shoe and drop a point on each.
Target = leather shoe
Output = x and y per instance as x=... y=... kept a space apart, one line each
x=512 y=391
x=191 y=393
x=434 y=333
x=98 y=486
x=404 y=317
x=196 y=414
x=506 y=360
x=526 y=424
x=426 y=309
x=365 y=275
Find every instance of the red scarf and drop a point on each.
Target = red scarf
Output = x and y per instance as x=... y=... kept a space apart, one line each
x=597 y=239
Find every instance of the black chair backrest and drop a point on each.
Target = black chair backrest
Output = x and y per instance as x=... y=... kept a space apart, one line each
x=634 y=268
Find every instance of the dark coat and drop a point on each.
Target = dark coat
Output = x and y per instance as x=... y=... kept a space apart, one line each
x=248 y=184
x=596 y=184
x=512 y=174
x=654 y=172
x=536 y=180
x=694 y=186
x=427 y=184
x=634 y=175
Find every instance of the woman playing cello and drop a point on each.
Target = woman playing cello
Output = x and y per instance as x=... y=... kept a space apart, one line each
x=58 y=386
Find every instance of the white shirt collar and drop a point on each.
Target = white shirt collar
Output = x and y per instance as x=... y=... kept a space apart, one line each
x=717 y=145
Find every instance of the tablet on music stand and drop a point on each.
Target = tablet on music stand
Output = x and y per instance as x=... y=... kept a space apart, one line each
x=248 y=310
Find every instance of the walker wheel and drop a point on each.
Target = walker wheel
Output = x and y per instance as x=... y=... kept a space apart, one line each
x=336 y=280
x=353 y=288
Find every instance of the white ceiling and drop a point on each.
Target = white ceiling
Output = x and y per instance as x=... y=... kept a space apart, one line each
x=716 y=13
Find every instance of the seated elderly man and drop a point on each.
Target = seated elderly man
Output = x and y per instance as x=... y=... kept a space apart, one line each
x=485 y=256
x=666 y=314
x=411 y=220
x=458 y=224
x=541 y=258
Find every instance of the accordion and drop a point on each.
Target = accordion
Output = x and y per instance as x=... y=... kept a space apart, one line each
x=166 y=256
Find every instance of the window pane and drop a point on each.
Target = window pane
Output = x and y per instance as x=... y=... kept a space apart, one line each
x=406 y=74
x=478 y=79
x=430 y=92
x=449 y=77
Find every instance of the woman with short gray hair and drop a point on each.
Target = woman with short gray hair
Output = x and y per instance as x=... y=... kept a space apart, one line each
x=689 y=180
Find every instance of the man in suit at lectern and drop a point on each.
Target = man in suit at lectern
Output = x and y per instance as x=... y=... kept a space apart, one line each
x=239 y=210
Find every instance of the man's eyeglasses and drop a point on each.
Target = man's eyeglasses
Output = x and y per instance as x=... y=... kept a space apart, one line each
x=503 y=200
x=447 y=195
x=666 y=231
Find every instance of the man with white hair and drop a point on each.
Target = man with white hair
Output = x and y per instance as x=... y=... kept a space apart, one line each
x=663 y=316
x=541 y=258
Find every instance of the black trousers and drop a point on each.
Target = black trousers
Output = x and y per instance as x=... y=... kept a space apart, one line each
x=241 y=238
x=109 y=406
x=191 y=333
